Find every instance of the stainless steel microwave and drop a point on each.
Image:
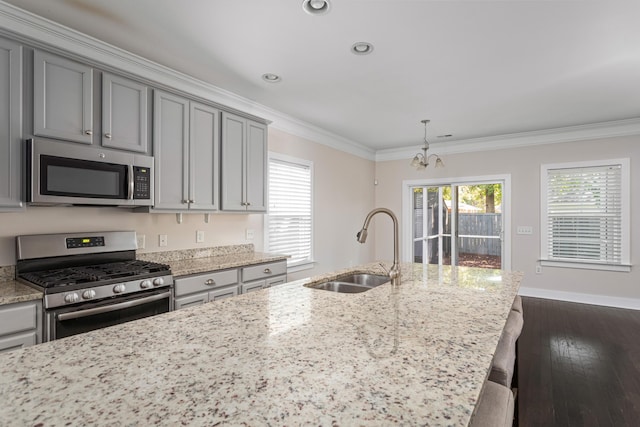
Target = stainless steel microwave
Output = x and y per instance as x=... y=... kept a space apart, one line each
x=61 y=173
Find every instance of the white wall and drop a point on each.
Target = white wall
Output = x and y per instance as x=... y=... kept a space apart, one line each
x=343 y=194
x=615 y=288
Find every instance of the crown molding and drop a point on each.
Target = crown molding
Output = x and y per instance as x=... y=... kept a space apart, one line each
x=42 y=33
x=515 y=140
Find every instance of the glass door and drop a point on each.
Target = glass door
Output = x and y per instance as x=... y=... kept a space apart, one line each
x=470 y=212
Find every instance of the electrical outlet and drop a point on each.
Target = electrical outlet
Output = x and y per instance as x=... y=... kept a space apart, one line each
x=199 y=236
x=162 y=240
x=524 y=229
x=538 y=269
x=249 y=232
x=140 y=241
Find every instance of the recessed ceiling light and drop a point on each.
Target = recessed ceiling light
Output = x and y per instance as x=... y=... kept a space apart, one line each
x=316 y=7
x=362 y=48
x=271 y=78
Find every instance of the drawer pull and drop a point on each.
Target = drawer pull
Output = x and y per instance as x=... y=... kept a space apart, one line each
x=210 y=282
x=267 y=271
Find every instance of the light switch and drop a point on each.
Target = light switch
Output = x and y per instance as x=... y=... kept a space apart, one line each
x=140 y=241
x=249 y=233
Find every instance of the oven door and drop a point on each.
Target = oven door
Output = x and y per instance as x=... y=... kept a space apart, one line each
x=66 y=321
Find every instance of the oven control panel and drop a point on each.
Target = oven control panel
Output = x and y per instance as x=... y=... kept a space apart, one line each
x=84 y=242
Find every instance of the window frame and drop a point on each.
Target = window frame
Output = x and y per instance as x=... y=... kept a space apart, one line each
x=625 y=217
x=307 y=263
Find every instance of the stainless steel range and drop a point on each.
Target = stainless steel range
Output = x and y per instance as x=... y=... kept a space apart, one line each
x=91 y=280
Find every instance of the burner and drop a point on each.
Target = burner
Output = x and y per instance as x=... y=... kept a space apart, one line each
x=93 y=273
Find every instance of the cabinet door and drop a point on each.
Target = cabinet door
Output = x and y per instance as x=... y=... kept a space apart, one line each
x=223 y=293
x=203 y=157
x=124 y=114
x=233 y=163
x=191 y=300
x=171 y=150
x=275 y=281
x=62 y=98
x=14 y=342
x=10 y=124
x=256 y=158
x=252 y=287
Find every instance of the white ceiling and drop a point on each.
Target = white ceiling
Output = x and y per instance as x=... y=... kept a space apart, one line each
x=475 y=68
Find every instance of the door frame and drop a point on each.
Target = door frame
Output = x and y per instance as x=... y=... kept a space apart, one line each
x=407 y=185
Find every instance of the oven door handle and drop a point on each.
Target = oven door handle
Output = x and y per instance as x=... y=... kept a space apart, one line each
x=99 y=310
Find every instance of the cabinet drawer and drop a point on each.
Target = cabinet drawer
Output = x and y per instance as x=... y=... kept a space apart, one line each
x=18 y=317
x=203 y=282
x=15 y=342
x=263 y=271
x=252 y=287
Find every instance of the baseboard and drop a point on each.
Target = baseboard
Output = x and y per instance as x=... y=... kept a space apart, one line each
x=608 y=301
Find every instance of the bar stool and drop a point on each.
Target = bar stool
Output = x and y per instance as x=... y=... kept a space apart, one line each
x=503 y=364
x=495 y=407
x=517 y=304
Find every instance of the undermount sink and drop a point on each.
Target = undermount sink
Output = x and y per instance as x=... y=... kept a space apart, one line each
x=351 y=283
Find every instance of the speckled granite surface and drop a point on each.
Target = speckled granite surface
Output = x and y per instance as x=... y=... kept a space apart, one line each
x=192 y=261
x=417 y=354
x=7 y=273
x=12 y=291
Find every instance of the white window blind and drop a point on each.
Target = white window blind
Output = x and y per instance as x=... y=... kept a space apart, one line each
x=289 y=220
x=585 y=218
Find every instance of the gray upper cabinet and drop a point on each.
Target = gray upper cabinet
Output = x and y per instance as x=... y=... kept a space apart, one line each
x=10 y=125
x=185 y=147
x=204 y=149
x=63 y=98
x=124 y=114
x=244 y=164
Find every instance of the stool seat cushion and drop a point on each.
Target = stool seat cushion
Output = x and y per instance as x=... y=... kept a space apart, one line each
x=495 y=407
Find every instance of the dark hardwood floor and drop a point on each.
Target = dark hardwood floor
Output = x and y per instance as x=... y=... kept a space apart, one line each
x=578 y=365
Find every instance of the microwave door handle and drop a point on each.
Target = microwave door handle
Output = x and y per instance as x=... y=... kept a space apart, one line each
x=131 y=183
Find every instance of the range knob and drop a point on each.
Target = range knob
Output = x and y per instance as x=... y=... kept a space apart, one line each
x=88 y=294
x=119 y=288
x=71 y=297
x=158 y=281
x=145 y=284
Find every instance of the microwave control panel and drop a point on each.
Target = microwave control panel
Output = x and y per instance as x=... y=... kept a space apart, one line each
x=142 y=182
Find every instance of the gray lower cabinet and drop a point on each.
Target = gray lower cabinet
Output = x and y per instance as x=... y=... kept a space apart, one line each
x=260 y=276
x=185 y=147
x=63 y=98
x=125 y=116
x=10 y=125
x=201 y=288
x=20 y=325
x=244 y=164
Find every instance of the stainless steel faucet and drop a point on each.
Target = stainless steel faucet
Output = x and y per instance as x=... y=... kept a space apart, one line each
x=394 y=272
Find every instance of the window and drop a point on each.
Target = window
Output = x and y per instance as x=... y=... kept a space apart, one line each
x=289 y=222
x=585 y=215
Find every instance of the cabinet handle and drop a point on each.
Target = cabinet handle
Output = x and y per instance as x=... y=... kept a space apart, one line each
x=267 y=271
x=88 y=132
x=248 y=203
x=192 y=201
x=210 y=282
x=107 y=135
x=185 y=201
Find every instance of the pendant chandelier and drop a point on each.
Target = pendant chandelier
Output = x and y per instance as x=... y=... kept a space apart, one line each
x=421 y=160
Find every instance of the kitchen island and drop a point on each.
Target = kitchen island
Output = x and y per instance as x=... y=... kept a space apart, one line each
x=417 y=354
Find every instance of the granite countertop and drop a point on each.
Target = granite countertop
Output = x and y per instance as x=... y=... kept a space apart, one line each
x=185 y=267
x=12 y=291
x=288 y=355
